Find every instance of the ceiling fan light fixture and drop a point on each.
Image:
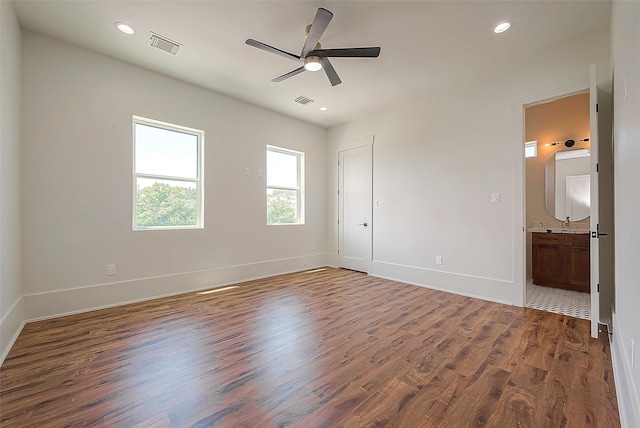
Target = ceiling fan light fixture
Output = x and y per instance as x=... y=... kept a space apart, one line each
x=312 y=63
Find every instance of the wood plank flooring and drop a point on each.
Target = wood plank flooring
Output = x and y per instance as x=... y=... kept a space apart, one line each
x=330 y=348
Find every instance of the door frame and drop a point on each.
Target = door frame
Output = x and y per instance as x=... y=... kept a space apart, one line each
x=355 y=144
x=520 y=290
x=594 y=220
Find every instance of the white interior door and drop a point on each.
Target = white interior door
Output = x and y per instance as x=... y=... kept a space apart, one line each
x=594 y=223
x=355 y=208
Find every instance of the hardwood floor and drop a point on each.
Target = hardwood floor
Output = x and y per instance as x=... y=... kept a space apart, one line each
x=331 y=348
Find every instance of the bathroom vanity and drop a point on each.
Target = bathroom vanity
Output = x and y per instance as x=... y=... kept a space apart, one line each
x=561 y=260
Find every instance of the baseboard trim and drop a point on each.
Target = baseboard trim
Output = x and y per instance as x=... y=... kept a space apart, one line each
x=11 y=325
x=39 y=306
x=626 y=392
x=493 y=290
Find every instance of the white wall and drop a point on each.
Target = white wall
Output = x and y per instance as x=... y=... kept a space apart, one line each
x=11 y=305
x=438 y=159
x=625 y=42
x=77 y=185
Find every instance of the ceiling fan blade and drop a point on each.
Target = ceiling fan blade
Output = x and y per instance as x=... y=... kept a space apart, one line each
x=371 y=52
x=264 y=47
x=331 y=72
x=318 y=26
x=289 y=74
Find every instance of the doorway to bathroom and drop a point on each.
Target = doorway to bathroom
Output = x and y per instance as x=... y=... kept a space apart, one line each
x=557 y=134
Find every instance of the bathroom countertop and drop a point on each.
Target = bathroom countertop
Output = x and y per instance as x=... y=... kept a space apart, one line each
x=540 y=230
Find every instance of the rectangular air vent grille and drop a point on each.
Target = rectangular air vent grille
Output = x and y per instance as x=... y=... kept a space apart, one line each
x=163 y=43
x=304 y=100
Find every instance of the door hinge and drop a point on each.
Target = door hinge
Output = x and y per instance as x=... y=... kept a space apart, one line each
x=596 y=107
x=597 y=167
x=598 y=288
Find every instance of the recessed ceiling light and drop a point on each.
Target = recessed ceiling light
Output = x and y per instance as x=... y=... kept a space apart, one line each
x=501 y=28
x=125 y=28
x=323 y=108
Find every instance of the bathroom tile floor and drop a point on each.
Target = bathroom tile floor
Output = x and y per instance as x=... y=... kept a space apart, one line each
x=565 y=302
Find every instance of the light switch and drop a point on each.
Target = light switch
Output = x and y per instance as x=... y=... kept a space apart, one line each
x=495 y=198
x=246 y=171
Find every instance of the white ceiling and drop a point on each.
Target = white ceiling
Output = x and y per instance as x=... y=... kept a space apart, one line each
x=425 y=44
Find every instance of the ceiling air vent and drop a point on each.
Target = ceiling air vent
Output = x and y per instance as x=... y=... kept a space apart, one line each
x=164 y=44
x=304 y=100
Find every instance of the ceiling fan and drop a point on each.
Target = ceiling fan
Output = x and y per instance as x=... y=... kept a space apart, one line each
x=313 y=57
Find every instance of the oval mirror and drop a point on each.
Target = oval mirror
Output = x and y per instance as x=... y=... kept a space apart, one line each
x=567 y=182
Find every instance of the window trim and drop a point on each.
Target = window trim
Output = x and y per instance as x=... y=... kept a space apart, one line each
x=199 y=182
x=300 y=211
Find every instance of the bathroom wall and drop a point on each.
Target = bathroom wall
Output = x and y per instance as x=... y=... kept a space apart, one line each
x=558 y=120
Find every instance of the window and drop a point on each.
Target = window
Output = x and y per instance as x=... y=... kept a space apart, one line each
x=285 y=186
x=530 y=149
x=167 y=175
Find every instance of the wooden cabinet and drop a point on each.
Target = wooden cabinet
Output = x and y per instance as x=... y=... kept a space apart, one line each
x=561 y=260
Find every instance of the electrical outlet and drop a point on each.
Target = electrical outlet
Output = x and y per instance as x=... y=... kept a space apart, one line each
x=438 y=260
x=111 y=269
x=313 y=247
